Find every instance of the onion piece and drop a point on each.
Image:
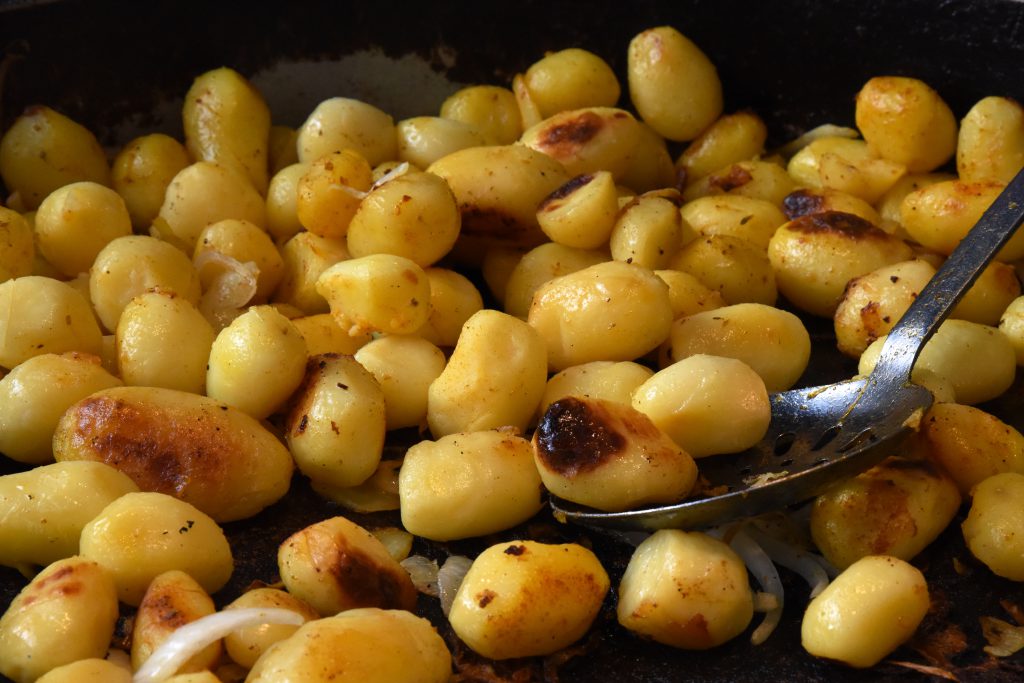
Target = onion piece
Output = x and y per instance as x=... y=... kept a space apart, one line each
x=800 y=561
x=397 y=541
x=1004 y=639
x=826 y=130
x=228 y=285
x=194 y=636
x=349 y=190
x=399 y=170
x=764 y=571
x=449 y=578
x=423 y=572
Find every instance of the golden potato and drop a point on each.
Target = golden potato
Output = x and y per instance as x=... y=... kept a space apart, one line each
x=422 y=140
x=758 y=179
x=524 y=599
x=377 y=293
x=685 y=589
x=142 y=535
x=404 y=367
x=211 y=455
x=358 y=646
x=44 y=150
x=468 y=484
x=541 y=265
x=609 y=456
x=66 y=613
x=453 y=300
x=847 y=165
x=336 y=565
x=994 y=528
x=581 y=213
x=141 y=172
x=243 y=241
x=46 y=508
x=172 y=600
x=866 y=612
x=246 y=645
x=41 y=315
x=342 y=123
x=649 y=231
x=896 y=508
x=754 y=220
x=490 y=108
x=17 y=246
x=604 y=379
x=571 y=79
x=736 y=268
x=990 y=146
x=970 y=444
x=306 y=256
x=587 y=140
x=282 y=202
x=730 y=139
x=672 y=83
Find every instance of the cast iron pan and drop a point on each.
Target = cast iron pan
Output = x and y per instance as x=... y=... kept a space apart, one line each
x=797 y=64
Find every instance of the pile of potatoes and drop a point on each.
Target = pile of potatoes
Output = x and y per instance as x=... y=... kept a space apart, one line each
x=186 y=326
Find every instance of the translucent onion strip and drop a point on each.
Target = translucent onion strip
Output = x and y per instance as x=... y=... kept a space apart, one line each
x=761 y=566
x=193 y=637
x=800 y=561
x=400 y=169
x=423 y=572
x=228 y=285
x=827 y=130
x=449 y=578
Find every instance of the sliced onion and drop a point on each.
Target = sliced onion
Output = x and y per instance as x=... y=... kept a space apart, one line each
x=449 y=578
x=1004 y=639
x=800 y=561
x=195 y=636
x=827 y=130
x=767 y=576
x=228 y=285
x=397 y=541
x=423 y=572
x=399 y=170
x=349 y=190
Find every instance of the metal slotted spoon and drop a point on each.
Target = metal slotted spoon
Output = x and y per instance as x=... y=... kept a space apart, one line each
x=823 y=434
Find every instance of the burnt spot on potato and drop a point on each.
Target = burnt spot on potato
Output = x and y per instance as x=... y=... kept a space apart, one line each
x=730 y=179
x=802 y=203
x=553 y=200
x=366 y=583
x=838 y=223
x=298 y=416
x=565 y=138
x=576 y=436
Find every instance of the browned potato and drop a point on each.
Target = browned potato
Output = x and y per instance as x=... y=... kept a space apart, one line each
x=191 y=447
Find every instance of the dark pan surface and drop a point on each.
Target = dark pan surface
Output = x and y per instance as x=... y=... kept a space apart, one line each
x=797 y=64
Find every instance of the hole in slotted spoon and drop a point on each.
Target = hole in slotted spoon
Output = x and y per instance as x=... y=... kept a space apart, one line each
x=783 y=442
x=859 y=440
x=827 y=437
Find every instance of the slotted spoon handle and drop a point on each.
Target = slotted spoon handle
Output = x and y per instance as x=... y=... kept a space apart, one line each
x=934 y=303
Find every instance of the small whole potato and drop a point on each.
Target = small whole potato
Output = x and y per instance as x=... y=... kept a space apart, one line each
x=571 y=79
x=990 y=145
x=322 y=334
x=404 y=367
x=847 y=165
x=757 y=179
x=92 y=670
x=807 y=201
x=44 y=150
x=994 y=528
x=331 y=190
x=40 y=315
x=672 y=83
x=733 y=266
x=244 y=242
x=141 y=172
x=75 y=222
x=335 y=426
x=754 y=220
x=650 y=167
x=422 y=140
x=951 y=353
x=494 y=378
x=525 y=599
x=771 y=341
x=468 y=484
x=688 y=295
x=227 y=121
x=582 y=212
x=142 y=535
x=246 y=645
x=1011 y=324
x=970 y=444
x=490 y=108
x=685 y=589
x=707 y=404
x=609 y=456
x=498 y=190
x=541 y=265
x=379 y=292
x=730 y=139
x=66 y=613
x=867 y=611
x=453 y=300
x=256 y=362
x=341 y=123
x=45 y=509
x=365 y=645
x=162 y=340
x=649 y=231
x=209 y=454
x=905 y=120
x=336 y=565
x=815 y=256
x=306 y=256
x=413 y=215
x=132 y=265
x=896 y=508
x=282 y=202
x=203 y=193
x=36 y=393
x=590 y=314
x=18 y=253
